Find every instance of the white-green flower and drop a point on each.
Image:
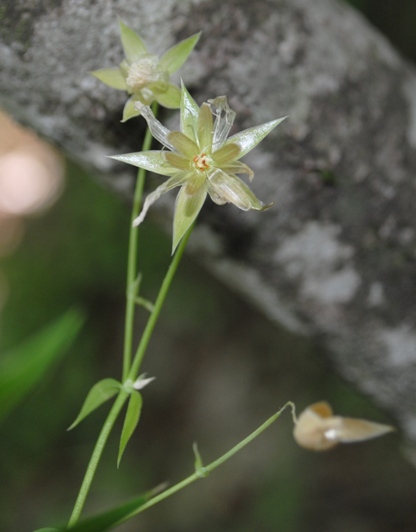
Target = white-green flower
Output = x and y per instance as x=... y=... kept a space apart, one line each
x=143 y=75
x=201 y=160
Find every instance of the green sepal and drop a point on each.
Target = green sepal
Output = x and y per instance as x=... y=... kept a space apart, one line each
x=111 y=77
x=171 y=98
x=175 y=57
x=26 y=364
x=130 y=110
x=133 y=45
x=152 y=160
x=189 y=115
x=249 y=138
x=101 y=392
x=131 y=420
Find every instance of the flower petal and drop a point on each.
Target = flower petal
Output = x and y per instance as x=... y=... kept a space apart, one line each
x=227 y=188
x=183 y=144
x=171 y=98
x=189 y=114
x=353 y=430
x=177 y=161
x=205 y=125
x=175 y=57
x=187 y=209
x=133 y=45
x=174 y=181
x=154 y=161
x=224 y=119
x=249 y=138
x=159 y=131
x=111 y=77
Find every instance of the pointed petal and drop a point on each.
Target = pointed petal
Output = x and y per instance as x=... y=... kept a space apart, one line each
x=189 y=114
x=183 y=144
x=176 y=56
x=237 y=167
x=249 y=138
x=205 y=125
x=111 y=77
x=226 y=154
x=171 y=98
x=353 y=430
x=154 y=161
x=129 y=110
x=187 y=209
x=159 y=131
x=133 y=45
x=227 y=188
x=174 y=181
x=224 y=119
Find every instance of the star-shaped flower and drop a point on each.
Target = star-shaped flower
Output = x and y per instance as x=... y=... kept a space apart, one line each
x=143 y=75
x=201 y=160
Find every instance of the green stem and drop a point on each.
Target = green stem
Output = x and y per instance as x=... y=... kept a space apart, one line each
x=151 y=322
x=95 y=457
x=204 y=471
x=132 y=285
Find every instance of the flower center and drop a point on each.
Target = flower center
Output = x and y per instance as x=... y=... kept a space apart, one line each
x=143 y=72
x=202 y=162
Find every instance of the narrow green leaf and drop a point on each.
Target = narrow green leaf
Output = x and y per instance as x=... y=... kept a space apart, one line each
x=25 y=365
x=249 y=138
x=111 y=77
x=99 y=394
x=107 y=520
x=133 y=45
x=130 y=422
x=175 y=57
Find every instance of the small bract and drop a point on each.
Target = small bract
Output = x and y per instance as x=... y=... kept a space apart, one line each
x=144 y=76
x=201 y=160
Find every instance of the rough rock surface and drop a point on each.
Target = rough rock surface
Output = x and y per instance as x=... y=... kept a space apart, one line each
x=335 y=258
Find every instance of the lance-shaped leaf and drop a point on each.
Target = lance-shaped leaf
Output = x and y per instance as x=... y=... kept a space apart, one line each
x=101 y=392
x=107 y=520
x=131 y=420
x=25 y=365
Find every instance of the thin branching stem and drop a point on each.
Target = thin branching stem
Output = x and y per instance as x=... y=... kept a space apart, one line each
x=132 y=285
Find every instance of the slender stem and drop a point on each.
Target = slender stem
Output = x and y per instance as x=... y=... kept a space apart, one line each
x=204 y=471
x=132 y=286
x=167 y=281
x=95 y=457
